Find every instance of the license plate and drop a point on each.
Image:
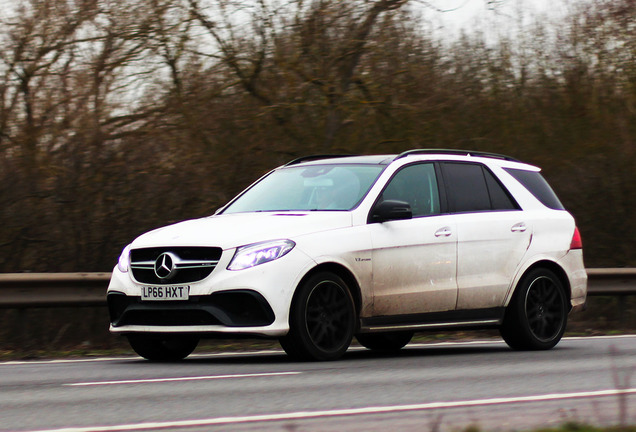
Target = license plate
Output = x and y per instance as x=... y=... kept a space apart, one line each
x=165 y=292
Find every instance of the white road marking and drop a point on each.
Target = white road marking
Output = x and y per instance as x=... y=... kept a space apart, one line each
x=62 y=361
x=192 y=378
x=300 y=415
x=132 y=357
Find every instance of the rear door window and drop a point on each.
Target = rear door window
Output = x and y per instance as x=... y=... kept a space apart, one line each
x=473 y=188
x=500 y=198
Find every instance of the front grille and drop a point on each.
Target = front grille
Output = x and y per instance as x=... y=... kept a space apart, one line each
x=191 y=264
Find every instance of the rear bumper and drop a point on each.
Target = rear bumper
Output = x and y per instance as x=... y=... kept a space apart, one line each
x=572 y=263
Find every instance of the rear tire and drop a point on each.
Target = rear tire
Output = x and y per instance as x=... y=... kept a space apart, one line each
x=322 y=319
x=162 y=348
x=538 y=312
x=390 y=341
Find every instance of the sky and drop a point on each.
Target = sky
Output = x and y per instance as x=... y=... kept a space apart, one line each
x=449 y=18
x=455 y=16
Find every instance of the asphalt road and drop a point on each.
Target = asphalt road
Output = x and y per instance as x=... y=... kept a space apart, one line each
x=426 y=387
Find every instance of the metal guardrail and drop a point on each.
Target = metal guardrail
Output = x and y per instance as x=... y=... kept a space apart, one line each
x=30 y=290
x=46 y=290
x=611 y=281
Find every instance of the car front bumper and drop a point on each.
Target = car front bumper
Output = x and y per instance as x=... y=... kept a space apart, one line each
x=253 y=301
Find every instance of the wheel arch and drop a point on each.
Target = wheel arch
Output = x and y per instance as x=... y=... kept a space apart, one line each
x=346 y=275
x=554 y=268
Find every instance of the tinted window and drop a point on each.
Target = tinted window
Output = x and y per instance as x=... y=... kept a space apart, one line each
x=466 y=186
x=536 y=184
x=500 y=199
x=472 y=187
x=416 y=185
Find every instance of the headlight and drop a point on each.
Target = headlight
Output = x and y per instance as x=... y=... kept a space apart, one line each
x=124 y=260
x=259 y=253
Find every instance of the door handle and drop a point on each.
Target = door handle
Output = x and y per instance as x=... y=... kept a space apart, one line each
x=443 y=232
x=520 y=227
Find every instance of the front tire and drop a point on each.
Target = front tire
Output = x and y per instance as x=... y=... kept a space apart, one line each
x=322 y=319
x=162 y=348
x=537 y=314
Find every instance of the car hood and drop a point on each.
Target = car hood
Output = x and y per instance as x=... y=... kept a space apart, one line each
x=233 y=230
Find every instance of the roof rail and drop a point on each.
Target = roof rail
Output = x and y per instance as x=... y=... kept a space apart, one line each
x=455 y=152
x=316 y=157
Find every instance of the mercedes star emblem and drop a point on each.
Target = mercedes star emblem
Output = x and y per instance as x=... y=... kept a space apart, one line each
x=165 y=265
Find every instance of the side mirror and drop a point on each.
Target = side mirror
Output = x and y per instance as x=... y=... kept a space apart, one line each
x=391 y=210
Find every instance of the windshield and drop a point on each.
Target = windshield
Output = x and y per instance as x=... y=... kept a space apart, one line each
x=309 y=188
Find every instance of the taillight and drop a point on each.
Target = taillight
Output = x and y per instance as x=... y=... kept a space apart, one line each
x=576 y=243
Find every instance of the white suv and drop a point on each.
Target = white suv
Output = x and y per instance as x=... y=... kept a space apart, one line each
x=326 y=248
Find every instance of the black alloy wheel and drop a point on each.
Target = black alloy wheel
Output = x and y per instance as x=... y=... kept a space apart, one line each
x=545 y=308
x=537 y=315
x=322 y=319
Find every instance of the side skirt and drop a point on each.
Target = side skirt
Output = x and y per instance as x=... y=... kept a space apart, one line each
x=472 y=319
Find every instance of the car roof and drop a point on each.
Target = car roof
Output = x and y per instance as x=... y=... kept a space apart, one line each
x=416 y=154
x=342 y=159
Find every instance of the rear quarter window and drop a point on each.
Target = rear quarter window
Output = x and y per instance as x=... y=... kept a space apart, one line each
x=538 y=186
